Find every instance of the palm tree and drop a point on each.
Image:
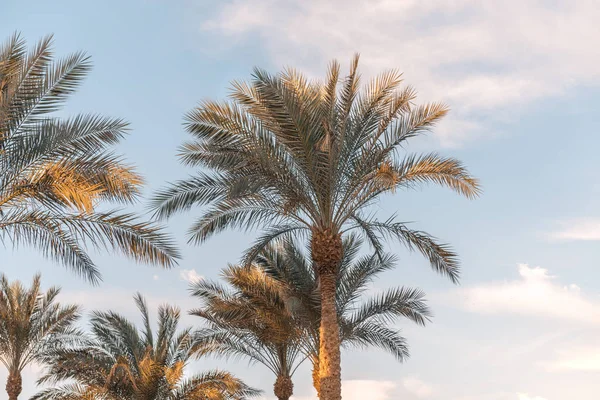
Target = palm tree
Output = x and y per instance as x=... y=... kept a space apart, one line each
x=363 y=322
x=299 y=157
x=251 y=320
x=271 y=314
x=31 y=322
x=55 y=172
x=120 y=362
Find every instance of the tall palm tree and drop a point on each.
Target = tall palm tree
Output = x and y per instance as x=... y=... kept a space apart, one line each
x=300 y=157
x=55 y=172
x=31 y=322
x=120 y=362
x=270 y=313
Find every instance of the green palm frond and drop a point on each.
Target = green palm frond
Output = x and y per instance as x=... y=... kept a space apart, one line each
x=356 y=316
x=441 y=257
x=269 y=311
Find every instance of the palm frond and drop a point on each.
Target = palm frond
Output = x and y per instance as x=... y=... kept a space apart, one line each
x=55 y=172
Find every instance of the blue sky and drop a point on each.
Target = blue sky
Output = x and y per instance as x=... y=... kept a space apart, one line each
x=522 y=81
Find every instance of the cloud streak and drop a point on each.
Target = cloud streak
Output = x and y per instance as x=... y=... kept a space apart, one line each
x=576 y=359
x=578 y=230
x=535 y=293
x=417 y=387
x=360 y=390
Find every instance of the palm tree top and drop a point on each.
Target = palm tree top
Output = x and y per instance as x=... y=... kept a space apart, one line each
x=120 y=361
x=32 y=323
x=292 y=155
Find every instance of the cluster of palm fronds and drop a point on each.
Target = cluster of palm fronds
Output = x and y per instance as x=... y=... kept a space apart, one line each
x=54 y=173
x=115 y=361
x=303 y=160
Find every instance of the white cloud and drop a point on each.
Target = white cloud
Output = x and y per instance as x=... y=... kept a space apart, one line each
x=360 y=390
x=367 y=389
x=534 y=294
x=576 y=359
x=486 y=61
x=155 y=277
x=190 y=275
x=417 y=387
x=581 y=229
x=523 y=396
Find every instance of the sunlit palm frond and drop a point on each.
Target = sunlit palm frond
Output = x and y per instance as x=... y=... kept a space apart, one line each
x=117 y=361
x=54 y=170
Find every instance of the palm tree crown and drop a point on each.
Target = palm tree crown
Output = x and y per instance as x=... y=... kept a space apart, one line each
x=251 y=319
x=295 y=156
x=119 y=362
x=31 y=323
x=55 y=172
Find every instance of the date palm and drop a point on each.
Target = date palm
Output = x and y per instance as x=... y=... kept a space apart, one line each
x=364 y=322
x=55 y=172
x=250 y=319
x=299 y=157
x=270 y=313
x=120 y=362
x=31 y=322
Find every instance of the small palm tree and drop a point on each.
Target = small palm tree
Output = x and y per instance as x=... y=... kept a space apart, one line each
x=300 y=157
x=119 y=362
x=251 y=320
x=55 y=172
x=271 y=312
x=31 y=322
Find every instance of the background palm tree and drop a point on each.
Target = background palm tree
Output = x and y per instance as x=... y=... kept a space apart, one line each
x=121 y=363
x=270 y=313
x=363 y=322
x=305 y=157
x=31 y=322
x=251 y=319
x=55 y=172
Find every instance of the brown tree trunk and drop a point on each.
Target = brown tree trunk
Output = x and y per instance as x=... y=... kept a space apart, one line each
x=283 y=387
x=14 y=385
x=327 y=251
x=315 y=376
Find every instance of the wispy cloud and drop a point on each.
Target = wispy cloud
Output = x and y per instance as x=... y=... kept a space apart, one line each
x=581 y=358
x=417 y=387
x=535 y=293
x=524 y=396
x=190 y=275
x=578 y=229
x=459 y=51
x=362 y=389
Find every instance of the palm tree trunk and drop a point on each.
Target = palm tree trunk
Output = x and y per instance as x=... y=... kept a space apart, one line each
x=327 y=254
x=14 y=385
x=283 y=388
x=315 y=376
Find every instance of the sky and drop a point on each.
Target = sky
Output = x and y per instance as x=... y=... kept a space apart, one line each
x=523 y=83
